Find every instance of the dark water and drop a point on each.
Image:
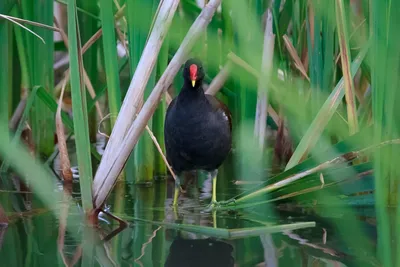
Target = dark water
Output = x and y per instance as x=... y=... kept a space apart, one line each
x=37 y=236
x=32 y=238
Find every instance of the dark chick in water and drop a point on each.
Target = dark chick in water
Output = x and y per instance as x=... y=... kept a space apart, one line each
x=198 y=129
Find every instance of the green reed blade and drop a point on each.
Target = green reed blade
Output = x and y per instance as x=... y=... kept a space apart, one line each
x=5 y=70
x=110 y=58
x=345 y=56
x=41 y=59
x=324 y=115
x=139 y=17
x=29 y=104
x=79 y=109
x=39 y=178
x=51 y=104
x=88 y=27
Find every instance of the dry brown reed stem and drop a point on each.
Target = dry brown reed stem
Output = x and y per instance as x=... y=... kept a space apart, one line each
x=152 y=136
x=11 y=19
x=131 y=104
x=33 y=23
x=134 y=95
x=345 y=59
x=17 y=115
x=168 y=98
x=137 y=260
x=260 y=125
x=218 y=82
x=86 y=79
x=112 y=166
x=65 y=163
x=293 y=53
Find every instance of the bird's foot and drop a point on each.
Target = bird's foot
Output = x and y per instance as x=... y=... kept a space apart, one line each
x=229 y=202
x=212 y=206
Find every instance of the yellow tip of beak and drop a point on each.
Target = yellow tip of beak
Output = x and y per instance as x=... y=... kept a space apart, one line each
x=193 y=83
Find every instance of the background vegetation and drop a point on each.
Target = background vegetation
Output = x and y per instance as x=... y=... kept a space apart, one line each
x=312 y=86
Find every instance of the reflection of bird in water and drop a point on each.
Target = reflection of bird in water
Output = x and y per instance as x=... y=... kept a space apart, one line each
x=199 y=253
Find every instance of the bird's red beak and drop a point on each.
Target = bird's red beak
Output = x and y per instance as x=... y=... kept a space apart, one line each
x=193 y=74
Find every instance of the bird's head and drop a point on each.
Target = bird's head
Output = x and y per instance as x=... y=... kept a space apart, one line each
x=193 y=72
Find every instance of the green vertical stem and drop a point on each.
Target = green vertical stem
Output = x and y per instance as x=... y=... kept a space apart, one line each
x=378 y=79
x=22 y=55
x=88 y=27
x=110 y=58
x=42 y=59
x=160 y=169
x=4 y=76
x=342 y=22
x=79 y=109
x=139 y=18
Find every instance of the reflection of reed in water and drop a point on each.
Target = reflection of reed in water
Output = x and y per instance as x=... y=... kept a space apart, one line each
x=199 y=252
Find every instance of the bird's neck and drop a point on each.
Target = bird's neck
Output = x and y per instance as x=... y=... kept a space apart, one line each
x=192 y=92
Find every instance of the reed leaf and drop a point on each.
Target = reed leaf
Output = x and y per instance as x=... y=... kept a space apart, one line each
x=110 y=58
x=79 y=108
x=346 y=59
x=4 y=66
x=88 y=27
x=139 y=19
x=229 y=234
x=324 y=115
x=41 y=58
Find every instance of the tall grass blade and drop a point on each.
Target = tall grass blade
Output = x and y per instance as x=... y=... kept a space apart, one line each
x=346 y=59
x=88 y=27
x=160 y=169
x=79 y=108
x=139 y=25
x=4 y=66
x=324 y=115
x=110 y=58
x=42 y=58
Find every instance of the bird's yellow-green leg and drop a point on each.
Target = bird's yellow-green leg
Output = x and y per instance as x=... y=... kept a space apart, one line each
x=214 y=190
x=214 y=203
x=214 y=214
x=177 y=190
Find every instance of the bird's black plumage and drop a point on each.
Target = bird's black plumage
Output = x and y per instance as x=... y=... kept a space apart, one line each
x=198 y=129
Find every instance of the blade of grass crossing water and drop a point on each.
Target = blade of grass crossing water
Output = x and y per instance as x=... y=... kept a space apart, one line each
x=79 y=108
x=110 y=58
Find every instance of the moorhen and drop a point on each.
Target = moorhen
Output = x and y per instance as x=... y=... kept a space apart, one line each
x=198 y=129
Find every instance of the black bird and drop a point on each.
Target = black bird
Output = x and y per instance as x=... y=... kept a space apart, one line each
x=198 y=129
